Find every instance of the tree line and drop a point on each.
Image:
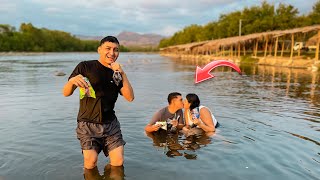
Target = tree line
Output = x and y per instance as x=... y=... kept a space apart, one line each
x=255 y=19
x=32 y=39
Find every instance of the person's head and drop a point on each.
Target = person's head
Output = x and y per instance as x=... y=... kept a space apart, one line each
x=109 y=49
x=175 y=99
x=191 y=101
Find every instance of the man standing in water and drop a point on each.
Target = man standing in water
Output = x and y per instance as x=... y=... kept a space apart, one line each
x=170 y=117
x=98 y=128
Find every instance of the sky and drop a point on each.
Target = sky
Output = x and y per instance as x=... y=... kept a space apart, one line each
x=110 y=17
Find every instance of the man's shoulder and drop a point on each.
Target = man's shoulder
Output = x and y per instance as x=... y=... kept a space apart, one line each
x=160 y=111
x=88 y=65
x=89 y=62
x=180 y=111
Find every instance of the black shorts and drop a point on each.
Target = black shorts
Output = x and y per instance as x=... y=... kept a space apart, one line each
x=99 y=137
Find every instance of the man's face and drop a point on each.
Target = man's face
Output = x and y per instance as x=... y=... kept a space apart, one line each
x=178 y=102
x=186 y=104
x=109 y=52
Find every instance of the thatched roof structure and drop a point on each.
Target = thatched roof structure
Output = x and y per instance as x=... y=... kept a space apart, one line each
x=214 y=44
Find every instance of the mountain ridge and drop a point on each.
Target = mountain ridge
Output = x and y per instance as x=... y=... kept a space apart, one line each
x=128 y=38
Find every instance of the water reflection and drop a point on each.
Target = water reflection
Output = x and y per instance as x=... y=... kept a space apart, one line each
x=176 y=144
x=300 y=83
x=110 y=172
x=296 y=82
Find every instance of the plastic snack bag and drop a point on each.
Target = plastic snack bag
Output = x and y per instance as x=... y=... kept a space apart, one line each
x=117 y=78
x=163 y=124
x=87 y=92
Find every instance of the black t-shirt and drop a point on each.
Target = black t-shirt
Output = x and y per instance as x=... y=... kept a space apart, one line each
x=99 y=109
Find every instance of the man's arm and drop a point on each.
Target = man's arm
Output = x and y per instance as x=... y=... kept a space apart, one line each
x=126 y=90
x=72 y=84
x=151 y=127
x=180 y=120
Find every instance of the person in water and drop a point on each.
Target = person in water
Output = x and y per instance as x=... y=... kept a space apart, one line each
x=98 y=128
x=169 y=118
x=198 y=117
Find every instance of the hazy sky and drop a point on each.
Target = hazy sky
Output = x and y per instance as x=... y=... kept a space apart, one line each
x=110 y=17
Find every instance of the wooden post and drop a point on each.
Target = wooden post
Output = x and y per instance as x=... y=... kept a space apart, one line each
x=276 y=47
x=223 y=51
x=270 y=49
x=256 y=50
x=317 y=50
x=266 y=48
x=282 y=48
x=239 y=50
x=292 y=44
x=244 y=49
x=232 y=51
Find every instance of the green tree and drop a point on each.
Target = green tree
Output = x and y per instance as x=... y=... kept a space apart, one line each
x=285 y=17
x=315 y=14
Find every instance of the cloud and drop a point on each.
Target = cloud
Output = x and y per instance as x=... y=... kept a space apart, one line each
x=97 y=17
x=53 y=10
x=168 y=30
x=7 y=7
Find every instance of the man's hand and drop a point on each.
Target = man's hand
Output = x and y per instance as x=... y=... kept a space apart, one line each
x=156 y=127
x=79 y=81
x=116 y=67
x=174 y=122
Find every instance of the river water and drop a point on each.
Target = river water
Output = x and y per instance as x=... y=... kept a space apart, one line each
x=269 y=120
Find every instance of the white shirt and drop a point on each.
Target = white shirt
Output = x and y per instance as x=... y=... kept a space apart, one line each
x=200 y=107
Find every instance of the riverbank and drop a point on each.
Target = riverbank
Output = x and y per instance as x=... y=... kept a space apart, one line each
x=295 y=62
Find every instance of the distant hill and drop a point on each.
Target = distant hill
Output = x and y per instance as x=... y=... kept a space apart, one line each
x=127 y=38
x=135 y=39
x=82 y=37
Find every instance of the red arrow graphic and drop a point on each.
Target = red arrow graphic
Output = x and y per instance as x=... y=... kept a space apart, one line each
x=203 y=74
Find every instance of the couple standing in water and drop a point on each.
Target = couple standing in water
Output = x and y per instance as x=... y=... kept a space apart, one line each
x=196 y=118
x=98 y=129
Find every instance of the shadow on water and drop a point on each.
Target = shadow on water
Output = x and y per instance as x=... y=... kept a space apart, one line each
x=110 y=172
x=176 y=144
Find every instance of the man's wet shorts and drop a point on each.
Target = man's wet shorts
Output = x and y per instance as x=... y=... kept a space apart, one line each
x=100 y=137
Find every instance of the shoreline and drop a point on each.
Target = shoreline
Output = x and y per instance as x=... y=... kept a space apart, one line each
x=295 y=62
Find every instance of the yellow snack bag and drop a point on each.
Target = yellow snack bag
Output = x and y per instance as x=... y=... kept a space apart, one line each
x=87 y=92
